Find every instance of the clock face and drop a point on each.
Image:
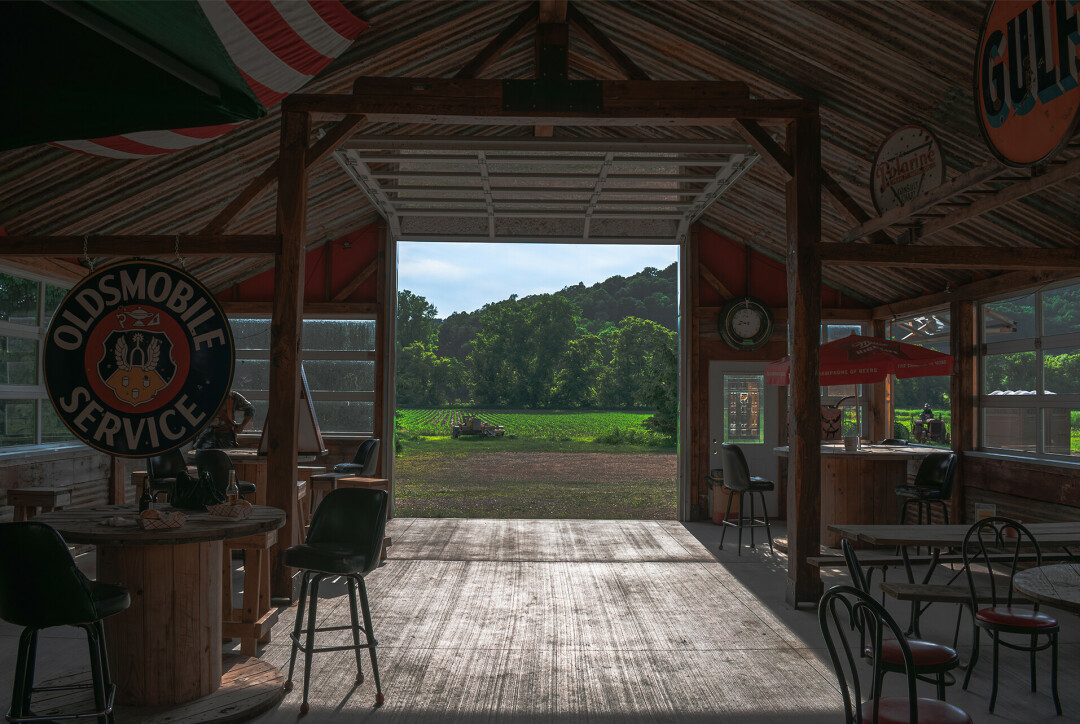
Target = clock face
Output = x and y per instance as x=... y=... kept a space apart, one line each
x=745 y=323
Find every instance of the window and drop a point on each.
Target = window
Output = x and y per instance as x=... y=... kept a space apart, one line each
x=910 y=397
x=339 y=361
x=1029 y=391
x=742 y=409
x=26 y=415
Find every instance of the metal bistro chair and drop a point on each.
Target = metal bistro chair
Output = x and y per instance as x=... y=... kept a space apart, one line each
x=41 y=587
x=364 y=462
x=930 y=660
x=986 y=543
x=842 y=612
x=345 y=540
x=218 y=464
x=933 y=484
x=737 y=480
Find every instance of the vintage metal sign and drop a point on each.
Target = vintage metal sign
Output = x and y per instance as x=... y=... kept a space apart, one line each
x=138 y=358
x=1026 y=79
x=907 y=164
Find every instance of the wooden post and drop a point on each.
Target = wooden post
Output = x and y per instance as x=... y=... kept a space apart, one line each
x=282 y=417
x=695 y=386
x=384 y=357
x=963 y=341
x=804 y=333
x=117 y=480
x=881 y=396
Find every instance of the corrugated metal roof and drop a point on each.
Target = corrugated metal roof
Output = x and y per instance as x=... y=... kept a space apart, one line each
x=872 y=66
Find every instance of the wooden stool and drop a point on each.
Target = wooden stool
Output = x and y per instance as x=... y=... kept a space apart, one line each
x=352 y=481
x=26 y=501
x=249 y=622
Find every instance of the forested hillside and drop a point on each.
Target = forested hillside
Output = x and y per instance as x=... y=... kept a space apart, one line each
x=609 y=345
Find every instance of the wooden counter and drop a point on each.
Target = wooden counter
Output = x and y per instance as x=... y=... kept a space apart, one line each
x=857 y=487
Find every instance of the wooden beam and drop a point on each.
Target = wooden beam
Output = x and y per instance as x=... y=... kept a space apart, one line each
x=769 y=149
x=480 y=102
x=241 y=245
x=804 y=325
x=603 y=42
x=384 y=352
x=338 y=134
x=881 y=395
x=117 y=480
x=552 y=51
x=500 y=42
x=311 y=309
x=1001 y=284
x=979 y=175
x=58 y=269
x=963 y=342
x=282 y=418
x=714 y=282
x=346 y=291
x=947 y=257
x=1007 y=195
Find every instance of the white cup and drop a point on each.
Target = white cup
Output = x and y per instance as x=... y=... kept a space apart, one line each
x=851 y=443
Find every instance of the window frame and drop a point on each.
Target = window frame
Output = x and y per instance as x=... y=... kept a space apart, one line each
x=37 y=332
x=312 y=356
x=1040 y=400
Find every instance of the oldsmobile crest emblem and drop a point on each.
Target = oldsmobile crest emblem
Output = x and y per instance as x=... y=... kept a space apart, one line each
x=138 y=358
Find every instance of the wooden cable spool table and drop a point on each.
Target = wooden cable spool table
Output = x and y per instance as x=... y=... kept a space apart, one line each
x=166 y=648
x=1054 y=585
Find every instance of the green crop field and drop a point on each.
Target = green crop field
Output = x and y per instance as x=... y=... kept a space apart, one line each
x=523 y=424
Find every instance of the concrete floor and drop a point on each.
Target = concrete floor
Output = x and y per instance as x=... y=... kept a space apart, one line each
x=578 y=620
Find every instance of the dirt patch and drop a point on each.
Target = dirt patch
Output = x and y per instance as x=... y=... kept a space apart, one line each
x=538 y=485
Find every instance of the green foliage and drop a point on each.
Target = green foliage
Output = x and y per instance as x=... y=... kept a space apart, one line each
x=550 y=425
x=661 y=390
x=416 y=321
x=634 y=344
x=423 y=378
x=634 y=436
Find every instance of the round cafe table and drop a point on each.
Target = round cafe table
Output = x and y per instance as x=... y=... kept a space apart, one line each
x=166 y=648
x=1056 y=585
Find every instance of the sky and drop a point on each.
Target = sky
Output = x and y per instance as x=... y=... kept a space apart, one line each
x=459 y=277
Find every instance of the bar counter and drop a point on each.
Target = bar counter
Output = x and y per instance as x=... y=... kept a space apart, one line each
x=857 y=486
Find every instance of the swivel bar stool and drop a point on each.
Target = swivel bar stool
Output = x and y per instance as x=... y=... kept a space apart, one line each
x=737 y=480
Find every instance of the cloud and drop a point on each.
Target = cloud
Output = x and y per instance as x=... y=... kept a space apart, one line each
x=464 y=277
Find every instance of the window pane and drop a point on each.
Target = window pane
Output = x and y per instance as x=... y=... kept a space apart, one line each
x=1062 y=432
x=18 y=361
x=251 y=333
x=1004 y=373
x=345 y=416
x=839 y=331
x=53 y=296
x=742 y=409
x=18 y=300
x=340 y=375
x=1061 y=310
x=251 y=374
x=339 y=335
x=1009 y=319
x=52 y=430
x=1061 y=371
x=18 y=418
x=1012 y=428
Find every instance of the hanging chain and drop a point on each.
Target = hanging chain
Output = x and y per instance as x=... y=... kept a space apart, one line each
x=86 y=256
x=176 y=248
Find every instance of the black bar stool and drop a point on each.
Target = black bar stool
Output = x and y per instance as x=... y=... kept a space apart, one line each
x=737 y=479
x=41 y=587
x=933 y=484
x=345 y=539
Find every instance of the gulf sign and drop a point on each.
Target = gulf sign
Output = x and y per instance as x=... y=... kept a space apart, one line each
x=138 y=358
x=1026 y=78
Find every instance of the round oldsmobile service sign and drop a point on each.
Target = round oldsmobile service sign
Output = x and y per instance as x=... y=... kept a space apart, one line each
x=138 y=358
x=1027 y=78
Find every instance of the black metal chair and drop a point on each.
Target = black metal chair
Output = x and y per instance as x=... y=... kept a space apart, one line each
x=995 y=544
x=161 y=472
x=845 y=610
x=345 y=539
x=933 y=484
x=41 y=587
x=931 y=660
x=218 y=464
x=737 y=480
x=364 y=462
x=893 y=441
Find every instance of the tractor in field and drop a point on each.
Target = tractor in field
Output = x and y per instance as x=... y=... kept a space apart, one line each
x=473 y=425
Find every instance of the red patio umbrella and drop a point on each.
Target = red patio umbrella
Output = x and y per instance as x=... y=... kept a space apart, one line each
x=855 y=359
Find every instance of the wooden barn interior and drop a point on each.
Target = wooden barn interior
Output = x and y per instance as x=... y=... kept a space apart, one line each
x=769 y=117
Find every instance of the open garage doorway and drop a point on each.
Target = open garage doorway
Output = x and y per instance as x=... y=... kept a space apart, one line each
x=536 y=380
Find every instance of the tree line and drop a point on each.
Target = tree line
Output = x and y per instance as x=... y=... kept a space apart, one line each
x=609 y=345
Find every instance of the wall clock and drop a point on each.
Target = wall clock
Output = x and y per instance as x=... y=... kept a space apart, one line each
x=745 y=323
